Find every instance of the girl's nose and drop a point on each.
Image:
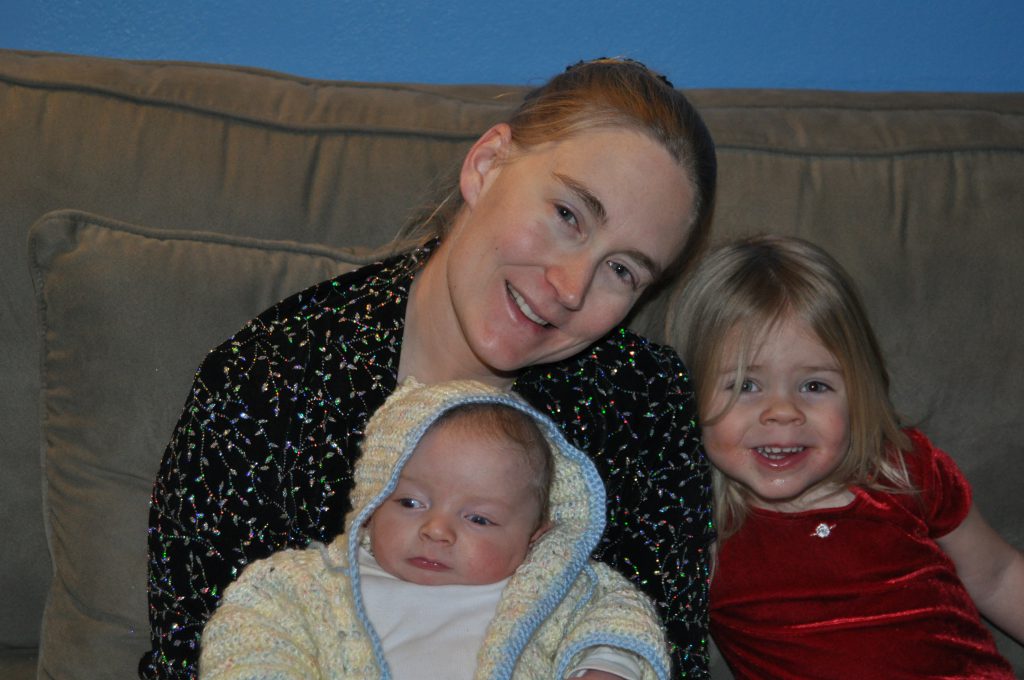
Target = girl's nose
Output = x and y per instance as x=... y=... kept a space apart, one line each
x=782 y=410
x=571 y=278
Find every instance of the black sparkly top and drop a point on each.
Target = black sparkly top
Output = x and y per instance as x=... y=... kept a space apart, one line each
x=261 y=458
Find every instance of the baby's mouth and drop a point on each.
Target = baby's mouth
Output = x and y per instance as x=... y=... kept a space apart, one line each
x=429 y=564
x=525 y=308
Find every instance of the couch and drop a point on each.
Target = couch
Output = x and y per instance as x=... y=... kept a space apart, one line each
x=150 y=208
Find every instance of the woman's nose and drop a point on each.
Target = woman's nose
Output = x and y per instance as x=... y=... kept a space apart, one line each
x=438 y=529
x=571 y=278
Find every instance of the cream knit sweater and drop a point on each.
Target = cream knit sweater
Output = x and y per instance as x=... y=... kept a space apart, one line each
x=299 y=613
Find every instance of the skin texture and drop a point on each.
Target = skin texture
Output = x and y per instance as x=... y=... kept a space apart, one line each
x=789 y=429
x=991 y=569
x=464 y=511
x=553 y=248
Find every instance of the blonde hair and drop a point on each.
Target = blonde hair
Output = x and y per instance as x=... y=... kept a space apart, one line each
x=749 y=287
x=603 y=93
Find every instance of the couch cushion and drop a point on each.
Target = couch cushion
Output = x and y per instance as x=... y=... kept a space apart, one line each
x=126 y=314
x=169 y=145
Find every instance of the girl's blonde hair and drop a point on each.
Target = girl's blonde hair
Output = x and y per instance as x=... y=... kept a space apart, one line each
x=742 y=291
x=602 y=93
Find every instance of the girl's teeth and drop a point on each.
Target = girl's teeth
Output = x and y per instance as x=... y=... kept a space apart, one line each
x=778 y=452
x=525 y=308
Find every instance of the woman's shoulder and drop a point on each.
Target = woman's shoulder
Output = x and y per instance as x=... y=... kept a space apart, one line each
x=623 y=386
x=371 y=297
x=620 y=361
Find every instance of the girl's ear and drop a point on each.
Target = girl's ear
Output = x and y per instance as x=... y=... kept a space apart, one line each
x=483 y=160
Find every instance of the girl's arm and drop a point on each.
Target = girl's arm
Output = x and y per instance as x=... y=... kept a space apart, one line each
x=992 y=571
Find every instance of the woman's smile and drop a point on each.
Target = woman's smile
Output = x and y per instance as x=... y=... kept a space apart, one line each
x=525 y=308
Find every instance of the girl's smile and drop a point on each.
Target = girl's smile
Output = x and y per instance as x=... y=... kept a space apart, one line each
x=789 y=427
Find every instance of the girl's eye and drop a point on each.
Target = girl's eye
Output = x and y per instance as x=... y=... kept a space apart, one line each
x=816 y=386
x=748 y=386
x=482 y=521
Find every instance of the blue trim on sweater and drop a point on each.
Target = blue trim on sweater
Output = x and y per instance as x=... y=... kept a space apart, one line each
x=577 y=563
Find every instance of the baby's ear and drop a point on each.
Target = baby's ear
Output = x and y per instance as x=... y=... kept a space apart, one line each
x=544 y=528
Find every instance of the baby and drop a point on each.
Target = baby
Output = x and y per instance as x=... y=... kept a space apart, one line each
x=474 y=524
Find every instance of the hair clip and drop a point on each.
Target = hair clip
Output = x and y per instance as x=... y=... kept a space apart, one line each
x=621 y=60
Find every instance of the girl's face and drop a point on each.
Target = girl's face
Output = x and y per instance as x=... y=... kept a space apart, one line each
x=789 y=429
x=556 y=244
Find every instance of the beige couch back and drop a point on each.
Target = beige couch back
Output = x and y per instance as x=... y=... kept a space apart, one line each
x=243 y=185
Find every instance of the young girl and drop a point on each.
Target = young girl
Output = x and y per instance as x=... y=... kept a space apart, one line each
x=848 y=546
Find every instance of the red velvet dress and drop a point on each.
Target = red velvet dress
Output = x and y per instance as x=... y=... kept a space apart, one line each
x=861 y=591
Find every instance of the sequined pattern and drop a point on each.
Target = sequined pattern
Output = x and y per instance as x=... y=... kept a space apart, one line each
x=261 y=458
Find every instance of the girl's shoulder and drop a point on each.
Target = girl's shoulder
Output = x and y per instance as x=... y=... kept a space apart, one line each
x=942 y=491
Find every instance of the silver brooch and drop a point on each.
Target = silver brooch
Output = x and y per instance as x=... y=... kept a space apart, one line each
x=823 y=530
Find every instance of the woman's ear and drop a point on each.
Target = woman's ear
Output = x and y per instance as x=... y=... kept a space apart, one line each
x=483 y=159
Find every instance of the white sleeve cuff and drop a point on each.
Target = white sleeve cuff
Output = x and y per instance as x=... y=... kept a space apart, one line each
x=610 y=660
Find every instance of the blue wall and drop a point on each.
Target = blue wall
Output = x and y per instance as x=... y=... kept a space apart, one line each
x=852 y=45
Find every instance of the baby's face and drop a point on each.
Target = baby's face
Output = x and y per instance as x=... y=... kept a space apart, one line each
x=464 y=512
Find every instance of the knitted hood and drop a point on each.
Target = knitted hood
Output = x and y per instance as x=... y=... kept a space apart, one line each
x=577 y=509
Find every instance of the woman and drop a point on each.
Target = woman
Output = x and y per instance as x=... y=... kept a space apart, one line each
x=598 y=187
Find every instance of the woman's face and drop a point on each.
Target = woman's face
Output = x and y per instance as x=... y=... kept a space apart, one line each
x=556 y=243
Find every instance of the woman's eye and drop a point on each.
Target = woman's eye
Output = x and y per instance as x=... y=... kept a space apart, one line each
x=623 y=272
x=567 y=216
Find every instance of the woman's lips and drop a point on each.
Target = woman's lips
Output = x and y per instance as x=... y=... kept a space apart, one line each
x=525 y=308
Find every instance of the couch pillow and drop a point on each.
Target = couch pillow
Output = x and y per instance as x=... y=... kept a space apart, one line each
x=126 y=314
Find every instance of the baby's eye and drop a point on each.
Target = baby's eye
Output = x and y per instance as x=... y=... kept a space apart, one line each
x=409 y=503
x=479 y=519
